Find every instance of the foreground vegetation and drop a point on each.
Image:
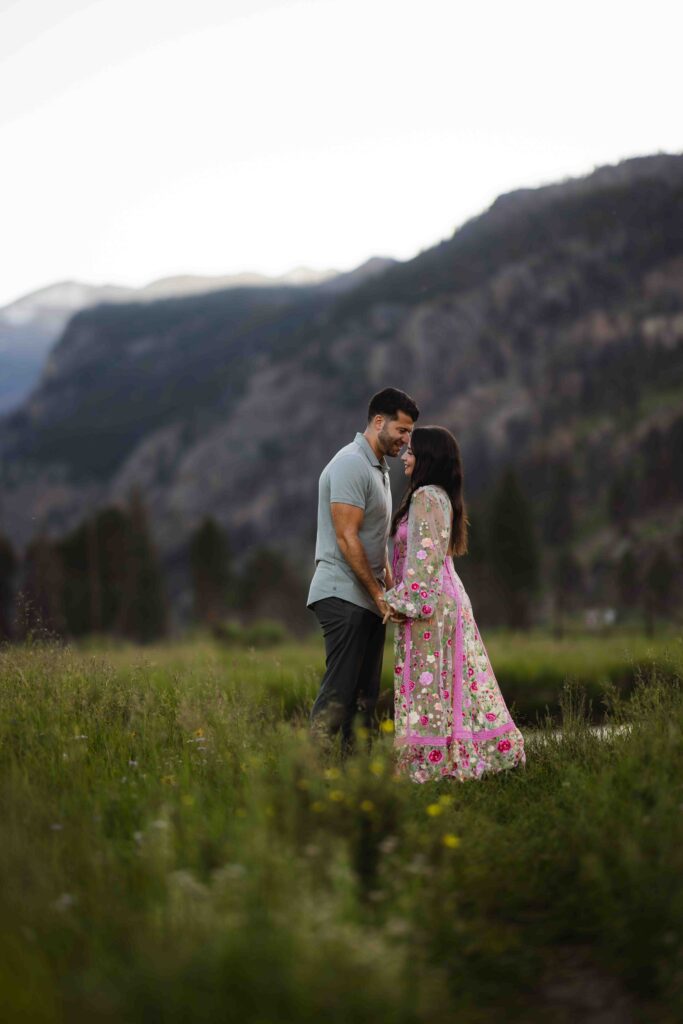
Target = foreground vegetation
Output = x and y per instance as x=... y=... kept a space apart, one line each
x=172 y=848
x=531 y=667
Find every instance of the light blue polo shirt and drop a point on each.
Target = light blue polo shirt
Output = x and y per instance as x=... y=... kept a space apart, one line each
x=355 y=476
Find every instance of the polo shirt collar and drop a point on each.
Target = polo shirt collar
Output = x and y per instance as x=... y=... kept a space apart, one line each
x=366 y=448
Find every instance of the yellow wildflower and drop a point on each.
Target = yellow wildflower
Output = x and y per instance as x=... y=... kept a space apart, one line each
x=451 y=841
x=367 y=806
x=387 y=725
x=332 y=773
x=376 y=766
x=434 y=810
x=336 y=795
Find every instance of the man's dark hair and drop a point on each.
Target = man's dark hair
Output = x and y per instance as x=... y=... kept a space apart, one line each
x=390 y=402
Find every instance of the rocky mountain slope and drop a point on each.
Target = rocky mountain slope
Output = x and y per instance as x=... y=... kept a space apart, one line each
x=31 y=325
x=547 y=331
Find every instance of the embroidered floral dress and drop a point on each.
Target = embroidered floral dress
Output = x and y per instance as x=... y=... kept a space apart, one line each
x=450 y=716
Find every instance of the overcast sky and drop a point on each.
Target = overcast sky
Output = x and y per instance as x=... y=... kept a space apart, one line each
x=142 y=138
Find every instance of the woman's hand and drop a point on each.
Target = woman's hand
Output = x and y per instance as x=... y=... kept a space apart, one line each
x=392 y=616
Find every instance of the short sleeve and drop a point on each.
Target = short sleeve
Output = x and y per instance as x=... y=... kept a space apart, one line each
x=348 y=482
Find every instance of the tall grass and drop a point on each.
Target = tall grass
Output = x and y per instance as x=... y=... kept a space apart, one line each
x=172 y=848
x=531 y=669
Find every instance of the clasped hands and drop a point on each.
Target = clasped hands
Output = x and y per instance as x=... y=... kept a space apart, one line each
x=391 y=616
x=388 y=613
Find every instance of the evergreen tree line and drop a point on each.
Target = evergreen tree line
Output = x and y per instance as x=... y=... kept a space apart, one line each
x=517 y=550
x=266 y=586
x=103 y=577
x=654 y=477
x=106 y=577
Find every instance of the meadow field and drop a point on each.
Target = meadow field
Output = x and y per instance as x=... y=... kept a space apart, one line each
x=174 y=849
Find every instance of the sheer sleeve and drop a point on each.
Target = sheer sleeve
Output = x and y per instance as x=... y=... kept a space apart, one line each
x=429 y=531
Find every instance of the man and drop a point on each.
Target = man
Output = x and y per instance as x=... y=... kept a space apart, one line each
x=352 y=564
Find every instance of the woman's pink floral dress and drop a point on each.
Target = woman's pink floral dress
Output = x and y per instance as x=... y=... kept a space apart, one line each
x=450 y=716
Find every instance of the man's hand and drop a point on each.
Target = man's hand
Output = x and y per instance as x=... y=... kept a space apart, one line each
x=392 y=616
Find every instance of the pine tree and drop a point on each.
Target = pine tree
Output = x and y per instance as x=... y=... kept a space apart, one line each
x=41 y=598
x=476 y=538
x=566 y=575
x=656 y=468
x=558 y=521
x=474 y=568
x=112 y=528
x=94 y=574
x=659 y=584
x=270 y=588
x=75 y=554
x=143 y=614
x=567 y=580
x=628 y=580
x=675 y=446
x=514 y=550
x=622 y=500
x=212 y=578
x=93 y=557
x=8 y=568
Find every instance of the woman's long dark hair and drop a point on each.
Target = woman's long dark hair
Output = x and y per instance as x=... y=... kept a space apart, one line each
x=437 y=461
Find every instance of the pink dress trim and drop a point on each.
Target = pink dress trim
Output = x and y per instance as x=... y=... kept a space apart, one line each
x=459 y=733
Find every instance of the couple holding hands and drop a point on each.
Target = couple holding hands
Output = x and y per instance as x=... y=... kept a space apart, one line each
x=449 y=715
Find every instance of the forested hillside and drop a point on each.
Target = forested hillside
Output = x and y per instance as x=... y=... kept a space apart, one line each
x=546 y=333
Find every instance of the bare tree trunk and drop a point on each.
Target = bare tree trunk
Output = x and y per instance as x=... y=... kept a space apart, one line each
x=94 y=581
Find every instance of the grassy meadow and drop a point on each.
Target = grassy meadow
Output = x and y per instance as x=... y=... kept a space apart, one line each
x=173 y=849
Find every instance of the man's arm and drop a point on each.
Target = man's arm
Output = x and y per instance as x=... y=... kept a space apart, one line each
x=347 y=521
x=389 y=576
x=390 y=614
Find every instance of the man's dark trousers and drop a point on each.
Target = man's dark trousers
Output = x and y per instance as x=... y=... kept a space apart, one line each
x=354 y=645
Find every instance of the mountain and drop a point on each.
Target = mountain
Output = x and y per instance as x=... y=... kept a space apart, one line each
x=30 y=325
x=547 y=333
x=194 y=284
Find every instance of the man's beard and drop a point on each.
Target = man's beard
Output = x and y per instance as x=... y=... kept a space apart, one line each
x=386 y=441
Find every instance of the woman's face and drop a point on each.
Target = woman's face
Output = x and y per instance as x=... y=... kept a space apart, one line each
x=408 y=460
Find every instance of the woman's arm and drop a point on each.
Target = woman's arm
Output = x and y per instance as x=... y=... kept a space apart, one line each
x=429 y=532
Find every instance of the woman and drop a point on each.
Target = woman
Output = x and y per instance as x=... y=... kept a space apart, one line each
x=450 y=716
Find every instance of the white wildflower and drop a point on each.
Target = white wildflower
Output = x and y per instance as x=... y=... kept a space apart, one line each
x=64 y=901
